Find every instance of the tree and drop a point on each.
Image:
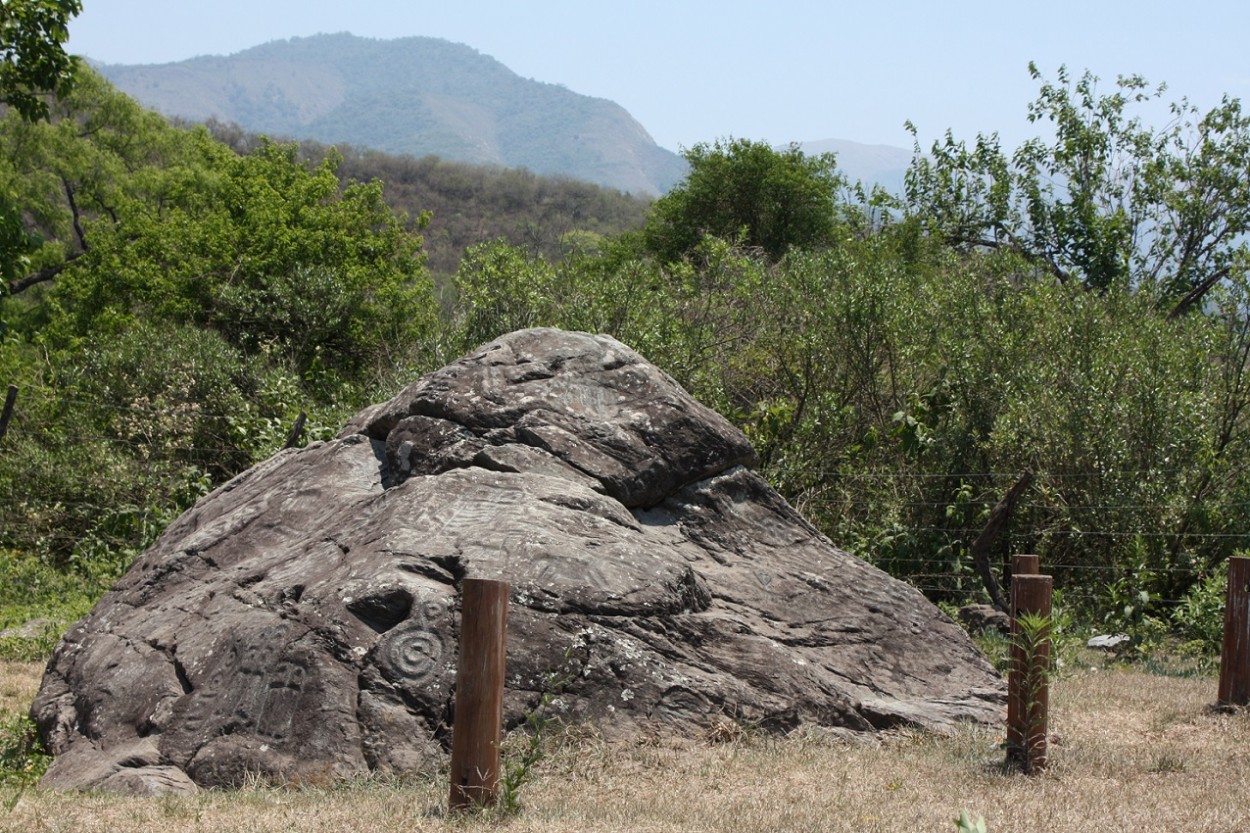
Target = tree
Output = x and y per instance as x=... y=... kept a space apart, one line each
x=180 y=305
x=268 y=252
x=138 y=220
x=32 y=63
x=97 y=153
x=16 y=243
x=1108 y=201
x=32 y=60
x=770 y=199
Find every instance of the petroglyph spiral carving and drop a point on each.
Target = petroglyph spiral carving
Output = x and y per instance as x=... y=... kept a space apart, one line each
x=412 y=652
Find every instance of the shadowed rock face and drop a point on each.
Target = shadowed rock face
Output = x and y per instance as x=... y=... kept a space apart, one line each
x=301 y=621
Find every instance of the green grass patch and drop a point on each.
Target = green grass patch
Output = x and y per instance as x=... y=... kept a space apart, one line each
x=38 y=603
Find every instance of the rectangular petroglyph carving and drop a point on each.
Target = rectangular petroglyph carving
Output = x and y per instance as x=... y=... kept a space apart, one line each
x=263 y=697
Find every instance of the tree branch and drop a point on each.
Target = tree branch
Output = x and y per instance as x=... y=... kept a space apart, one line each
x=75 y=214
x=980 y=551
x=1195 y=295
x=1013 y=245
x=43 y=275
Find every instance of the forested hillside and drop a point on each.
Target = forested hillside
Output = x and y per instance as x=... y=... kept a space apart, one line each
x=415 y=96
x=1072 y=317
x=465 y=204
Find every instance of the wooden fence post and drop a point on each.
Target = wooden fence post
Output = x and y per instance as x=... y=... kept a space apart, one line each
x=478 y=727
x=1026 y=565
x=1235 y=655
x=1028 y=722
x=1021 y=565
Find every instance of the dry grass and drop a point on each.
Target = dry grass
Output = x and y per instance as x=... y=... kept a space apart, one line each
x=18 y=683
x=1136 y=753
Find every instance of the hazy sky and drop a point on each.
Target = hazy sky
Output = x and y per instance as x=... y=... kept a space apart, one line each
x=777 y=71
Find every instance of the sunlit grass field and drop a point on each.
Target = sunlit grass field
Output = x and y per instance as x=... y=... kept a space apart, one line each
x=1132 y=751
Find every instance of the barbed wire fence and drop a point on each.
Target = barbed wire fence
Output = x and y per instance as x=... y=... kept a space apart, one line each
x=160 y=446
x=1109 y=548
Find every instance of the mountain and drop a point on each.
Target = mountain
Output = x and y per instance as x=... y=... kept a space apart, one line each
x=882 y=165
x=414 y=95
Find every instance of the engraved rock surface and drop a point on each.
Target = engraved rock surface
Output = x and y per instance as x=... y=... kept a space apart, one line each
x=301 y=621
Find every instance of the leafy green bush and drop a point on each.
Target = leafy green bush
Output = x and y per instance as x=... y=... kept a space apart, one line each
x=23 y=759
x=1199 y=619
x=747 y=191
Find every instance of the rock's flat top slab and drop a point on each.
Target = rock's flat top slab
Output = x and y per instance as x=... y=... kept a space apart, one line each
x=300 y=622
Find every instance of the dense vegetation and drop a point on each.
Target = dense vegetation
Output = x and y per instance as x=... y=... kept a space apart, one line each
x=1079 y=310
x=456 y=205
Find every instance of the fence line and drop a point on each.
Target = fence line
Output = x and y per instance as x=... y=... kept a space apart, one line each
x=1012 y=476
x=55 y=396
x=152 y=492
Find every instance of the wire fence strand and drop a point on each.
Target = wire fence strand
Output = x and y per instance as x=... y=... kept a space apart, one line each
x=847 y=499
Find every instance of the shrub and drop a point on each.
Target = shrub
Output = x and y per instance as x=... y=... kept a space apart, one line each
x=1199 y=618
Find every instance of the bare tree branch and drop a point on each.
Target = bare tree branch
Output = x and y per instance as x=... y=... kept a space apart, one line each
x=1195 y=295
x=980 y=551
x=1012 y=245
x=75 y=214
x=42 y=276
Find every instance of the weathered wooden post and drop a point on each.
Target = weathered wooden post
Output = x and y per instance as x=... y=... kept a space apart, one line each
x=1026 y=565
x=1021 y=565
x=478 y=727
x=1235 y=655
x=1028 y=723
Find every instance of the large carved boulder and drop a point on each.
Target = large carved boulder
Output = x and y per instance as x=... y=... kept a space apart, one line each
x=301 y=621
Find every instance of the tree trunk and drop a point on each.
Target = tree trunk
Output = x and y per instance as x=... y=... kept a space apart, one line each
x=999 y=516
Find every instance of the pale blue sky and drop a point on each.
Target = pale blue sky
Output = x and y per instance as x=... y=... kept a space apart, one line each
x=777 y=71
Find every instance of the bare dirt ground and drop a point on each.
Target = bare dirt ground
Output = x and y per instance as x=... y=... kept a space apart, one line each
x=1134 y=752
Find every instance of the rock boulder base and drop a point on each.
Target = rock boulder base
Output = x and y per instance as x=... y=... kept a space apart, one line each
x=300 y=623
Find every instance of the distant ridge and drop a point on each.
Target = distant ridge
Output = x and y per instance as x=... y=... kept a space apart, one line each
x=883 y=165
x=414 y=95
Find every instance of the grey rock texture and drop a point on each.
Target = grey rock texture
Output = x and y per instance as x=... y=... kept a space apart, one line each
x=301 y=622
x=978 y=618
